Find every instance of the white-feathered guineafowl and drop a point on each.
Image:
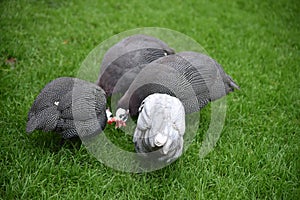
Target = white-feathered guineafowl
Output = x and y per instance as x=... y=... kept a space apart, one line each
x=160 y=127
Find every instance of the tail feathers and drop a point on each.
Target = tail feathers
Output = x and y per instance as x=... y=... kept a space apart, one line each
x=232 y=84
x=45 y=120
x=31 y=124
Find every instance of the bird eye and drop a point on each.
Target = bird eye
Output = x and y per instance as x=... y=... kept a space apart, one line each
x=123 y=117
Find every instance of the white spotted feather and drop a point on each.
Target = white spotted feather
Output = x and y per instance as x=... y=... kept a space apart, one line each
x=160 y=126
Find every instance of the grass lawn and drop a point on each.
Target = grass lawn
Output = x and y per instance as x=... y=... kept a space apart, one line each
x=258 y=44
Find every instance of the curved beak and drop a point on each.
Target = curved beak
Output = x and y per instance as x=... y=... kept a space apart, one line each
x=120 y=123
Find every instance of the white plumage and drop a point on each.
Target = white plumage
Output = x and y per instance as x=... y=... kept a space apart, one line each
x=160 y=127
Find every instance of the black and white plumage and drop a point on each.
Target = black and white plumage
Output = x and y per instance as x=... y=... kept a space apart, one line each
x=193 y=78
x=123 y=61
x=160 y=127
x=64 y=102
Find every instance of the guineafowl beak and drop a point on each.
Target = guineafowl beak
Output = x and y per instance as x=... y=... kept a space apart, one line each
x=120 y=123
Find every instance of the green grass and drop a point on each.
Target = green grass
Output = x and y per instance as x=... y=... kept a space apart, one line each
x=257 y=156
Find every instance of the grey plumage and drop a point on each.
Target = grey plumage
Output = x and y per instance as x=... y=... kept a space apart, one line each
x=211 y=71
x=123 y=61
x=53 y=109
x=194 y=78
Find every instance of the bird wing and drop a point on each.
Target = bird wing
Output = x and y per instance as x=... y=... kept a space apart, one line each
x=44 y=114
x=53 y=109
x=132 y=43
x=128 y=54
x=159 y=78
x=212 y=72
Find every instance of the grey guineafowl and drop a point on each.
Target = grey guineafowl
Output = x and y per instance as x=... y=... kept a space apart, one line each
x=193 y=78
x=189 y=76
x=67 y=105
x=123 y=61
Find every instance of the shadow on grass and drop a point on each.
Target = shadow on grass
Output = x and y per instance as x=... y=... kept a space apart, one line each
x=53 y=142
